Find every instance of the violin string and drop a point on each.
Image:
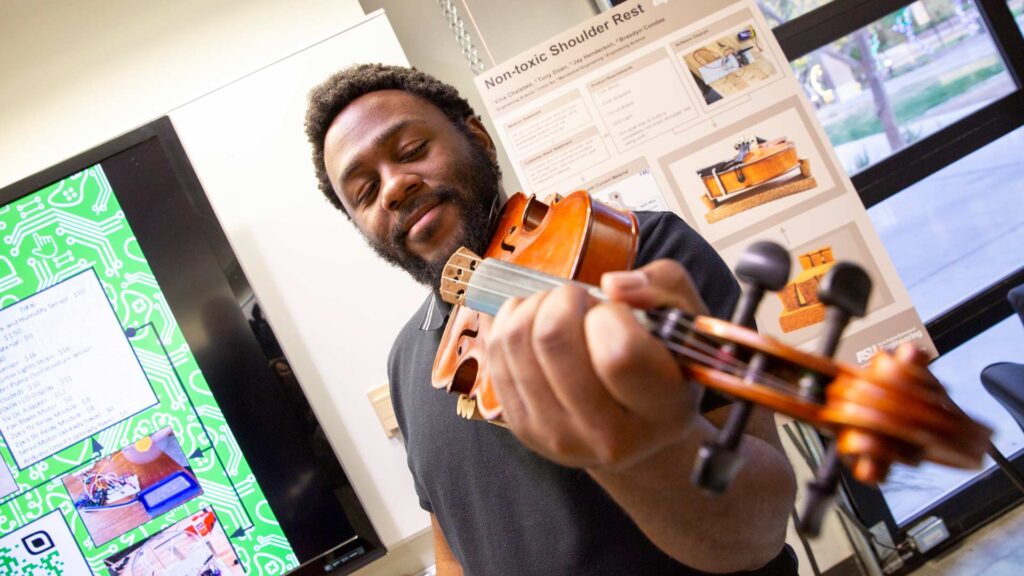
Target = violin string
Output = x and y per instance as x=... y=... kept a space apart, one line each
x=693 y=340
x=705 y=352
x=680 y=321
x=708 y=349
x=685 y=323
x=714 y=351
x=759 y=379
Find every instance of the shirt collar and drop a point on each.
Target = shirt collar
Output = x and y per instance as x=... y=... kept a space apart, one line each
x=436 y=314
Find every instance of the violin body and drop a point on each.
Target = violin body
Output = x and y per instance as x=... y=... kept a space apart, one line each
x=753 y=166
x=572 y=238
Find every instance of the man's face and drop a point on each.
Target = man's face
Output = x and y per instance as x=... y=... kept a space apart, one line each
x=415 y=185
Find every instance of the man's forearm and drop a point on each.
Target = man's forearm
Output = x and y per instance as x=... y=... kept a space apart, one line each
x=742 y=529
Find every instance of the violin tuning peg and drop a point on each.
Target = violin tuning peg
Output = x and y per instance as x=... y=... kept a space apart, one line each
x=718 y=461
x=715 y=468
x=845 y=288
x=763 y=266
x=820 y=493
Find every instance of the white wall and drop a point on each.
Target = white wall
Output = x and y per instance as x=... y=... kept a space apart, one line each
x=74 y=73
x=334 y=306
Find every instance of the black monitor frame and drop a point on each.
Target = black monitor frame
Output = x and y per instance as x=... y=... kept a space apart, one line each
x=240 y=358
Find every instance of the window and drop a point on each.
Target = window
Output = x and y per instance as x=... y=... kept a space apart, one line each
x=922 y=103
x=903 y=77
x=959 y=230
x=781 y=11
x=909 y=490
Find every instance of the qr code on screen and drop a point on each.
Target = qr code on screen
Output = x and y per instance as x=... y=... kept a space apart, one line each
x=43 y=547
x=14 y=561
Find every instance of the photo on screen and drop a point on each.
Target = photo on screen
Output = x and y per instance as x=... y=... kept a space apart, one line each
x=195 y=546
x=132 y=486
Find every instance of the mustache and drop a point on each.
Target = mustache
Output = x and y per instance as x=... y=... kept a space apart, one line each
x=441 y=194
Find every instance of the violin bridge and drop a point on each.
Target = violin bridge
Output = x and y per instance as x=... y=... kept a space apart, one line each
x=456 y=275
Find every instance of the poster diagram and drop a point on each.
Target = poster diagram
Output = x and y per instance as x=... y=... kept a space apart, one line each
x=109 y=434
x=731 y=63
x=692 y=107
x=750 y=174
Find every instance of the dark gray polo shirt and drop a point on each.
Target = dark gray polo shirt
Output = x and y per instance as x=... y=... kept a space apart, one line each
x=505 y=510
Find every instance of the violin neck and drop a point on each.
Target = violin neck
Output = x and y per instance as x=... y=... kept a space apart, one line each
x=484 y=284
x=492 y=282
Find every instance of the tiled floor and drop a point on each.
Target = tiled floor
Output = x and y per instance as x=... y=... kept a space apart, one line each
x=995 y=550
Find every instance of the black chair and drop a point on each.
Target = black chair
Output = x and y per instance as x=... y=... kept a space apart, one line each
x=1005 y=382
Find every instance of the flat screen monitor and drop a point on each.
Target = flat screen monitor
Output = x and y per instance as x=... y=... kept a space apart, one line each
x=149 y=421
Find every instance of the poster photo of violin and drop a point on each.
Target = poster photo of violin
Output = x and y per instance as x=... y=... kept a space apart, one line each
x=730 y=64
x=751 y=173
x=795 y=315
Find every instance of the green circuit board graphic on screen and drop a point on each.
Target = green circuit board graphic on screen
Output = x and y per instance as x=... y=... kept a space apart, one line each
x=116 y=459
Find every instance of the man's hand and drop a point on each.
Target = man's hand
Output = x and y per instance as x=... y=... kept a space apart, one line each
x=585 y=385
x=582 y=382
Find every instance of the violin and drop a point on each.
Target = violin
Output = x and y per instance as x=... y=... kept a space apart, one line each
x=893 y=410
x=571 y=237
x=756 y=162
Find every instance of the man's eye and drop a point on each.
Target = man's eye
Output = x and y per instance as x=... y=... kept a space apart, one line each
x=367 y=192
x=411 y=153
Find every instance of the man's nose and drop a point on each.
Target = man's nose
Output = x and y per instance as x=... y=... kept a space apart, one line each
x=397 y=187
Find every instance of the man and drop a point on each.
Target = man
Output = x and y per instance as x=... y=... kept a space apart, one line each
x=592 y=474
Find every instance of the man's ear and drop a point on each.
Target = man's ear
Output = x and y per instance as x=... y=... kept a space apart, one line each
x=478 y=132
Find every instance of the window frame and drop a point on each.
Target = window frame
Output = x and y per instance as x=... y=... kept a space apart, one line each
x=991 y=494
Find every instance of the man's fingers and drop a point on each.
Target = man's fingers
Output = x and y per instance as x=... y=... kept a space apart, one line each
x=511 y=340
x=561 y=346
x=662 y=283
x=638 y=371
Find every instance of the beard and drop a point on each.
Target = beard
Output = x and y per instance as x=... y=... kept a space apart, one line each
x=478 y=177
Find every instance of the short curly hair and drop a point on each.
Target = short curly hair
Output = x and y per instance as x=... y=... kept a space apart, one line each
x=328 y=99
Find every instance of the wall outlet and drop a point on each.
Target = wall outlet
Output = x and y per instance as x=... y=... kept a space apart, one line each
x=380 y=398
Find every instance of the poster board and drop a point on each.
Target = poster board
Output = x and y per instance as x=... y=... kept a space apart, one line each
x=661 y=105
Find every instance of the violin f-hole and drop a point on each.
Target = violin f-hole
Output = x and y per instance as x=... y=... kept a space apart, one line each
x=534 y=214
x=464 y=335
x=504 y=240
